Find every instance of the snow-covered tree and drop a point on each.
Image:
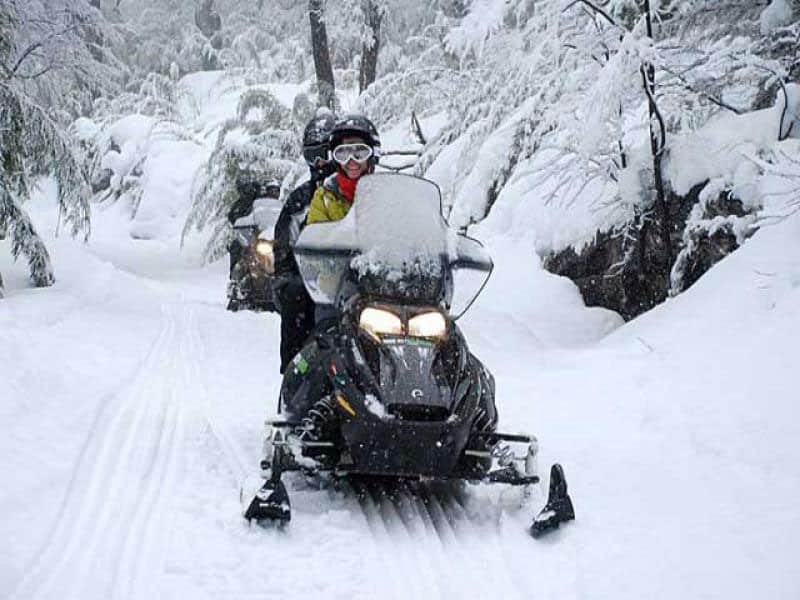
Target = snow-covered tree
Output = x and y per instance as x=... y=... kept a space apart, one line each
x=49 y=69
x=659 y=72
x=269 y=37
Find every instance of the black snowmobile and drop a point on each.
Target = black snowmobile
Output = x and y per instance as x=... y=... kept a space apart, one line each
x=250 y=283
x=388 y=386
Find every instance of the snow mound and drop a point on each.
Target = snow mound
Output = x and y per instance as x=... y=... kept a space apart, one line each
x=728 y=142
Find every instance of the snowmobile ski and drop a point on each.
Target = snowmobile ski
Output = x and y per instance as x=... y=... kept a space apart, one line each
x=510 y=475
x=270 y=503
x=559 y=507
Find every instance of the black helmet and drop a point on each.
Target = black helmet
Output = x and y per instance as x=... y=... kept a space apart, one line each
x=247 y=186
x=250 y=186
x=360 y=126
x=316 y=137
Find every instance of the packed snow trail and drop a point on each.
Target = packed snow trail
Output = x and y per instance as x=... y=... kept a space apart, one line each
x=107 y=539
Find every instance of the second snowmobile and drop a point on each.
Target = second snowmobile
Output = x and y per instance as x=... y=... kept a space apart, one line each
x=388 y=386
x=250 y=283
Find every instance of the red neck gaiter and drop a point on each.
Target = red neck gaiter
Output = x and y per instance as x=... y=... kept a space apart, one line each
x=347 y=186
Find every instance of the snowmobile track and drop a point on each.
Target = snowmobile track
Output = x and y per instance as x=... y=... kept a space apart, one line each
x=108 y=539
x=410 y=578
x=430 y=530
x=470 y=536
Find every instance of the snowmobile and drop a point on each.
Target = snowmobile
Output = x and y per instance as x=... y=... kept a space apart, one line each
x=387 y=387
x=250 y=284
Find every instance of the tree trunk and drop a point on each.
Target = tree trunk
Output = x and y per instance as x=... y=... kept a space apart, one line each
x=207 y=19
x=95 y=3
x=322 y=57
x=369 y=50
x=209 y=23
x=657 y=143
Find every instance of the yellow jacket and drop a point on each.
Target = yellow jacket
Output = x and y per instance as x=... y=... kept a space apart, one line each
x=328 y=203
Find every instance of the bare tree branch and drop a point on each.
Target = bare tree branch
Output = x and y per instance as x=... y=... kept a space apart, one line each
x=596 y=9
x=36 y=46
x=710 y=97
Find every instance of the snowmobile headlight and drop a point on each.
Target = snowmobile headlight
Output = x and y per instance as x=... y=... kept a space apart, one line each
x=264 y=249
x=428 y=325
x=265 y=253
x=379 y=322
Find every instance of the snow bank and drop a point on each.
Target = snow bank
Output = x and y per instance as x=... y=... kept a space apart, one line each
x=151 y=166
x=531 y=208
x=721 y=147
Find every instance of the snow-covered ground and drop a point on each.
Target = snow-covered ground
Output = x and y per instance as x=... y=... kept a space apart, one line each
x=133 y=403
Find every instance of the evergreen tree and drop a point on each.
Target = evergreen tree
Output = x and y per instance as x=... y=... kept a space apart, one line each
x=35 y=47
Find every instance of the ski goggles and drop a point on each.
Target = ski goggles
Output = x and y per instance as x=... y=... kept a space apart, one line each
x=360 y=153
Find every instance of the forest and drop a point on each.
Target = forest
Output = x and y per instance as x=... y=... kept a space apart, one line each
x=596 y=108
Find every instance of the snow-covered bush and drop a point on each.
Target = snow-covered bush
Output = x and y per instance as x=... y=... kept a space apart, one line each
x=117 y=154
x=155 y=95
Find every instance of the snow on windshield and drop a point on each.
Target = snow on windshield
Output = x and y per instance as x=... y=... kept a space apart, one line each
x=394 y=239
x=397 y=244
x=400 y=228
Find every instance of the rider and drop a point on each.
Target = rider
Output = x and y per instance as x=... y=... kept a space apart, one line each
x=355 y=148
x=296 y=306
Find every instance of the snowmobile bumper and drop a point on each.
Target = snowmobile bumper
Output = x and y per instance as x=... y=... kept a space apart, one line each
x=390 y=446
x=396 y=448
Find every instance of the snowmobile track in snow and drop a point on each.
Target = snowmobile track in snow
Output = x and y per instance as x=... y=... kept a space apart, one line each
x=107 y=542
x=430 y=525
x=234 y=457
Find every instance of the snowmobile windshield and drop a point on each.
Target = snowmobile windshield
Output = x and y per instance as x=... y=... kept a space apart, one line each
x=394 y=244
x=263 y=217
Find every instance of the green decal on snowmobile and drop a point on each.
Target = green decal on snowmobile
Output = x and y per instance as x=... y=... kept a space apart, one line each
x=300 y=364
x=423 y=342
x=408 y=341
